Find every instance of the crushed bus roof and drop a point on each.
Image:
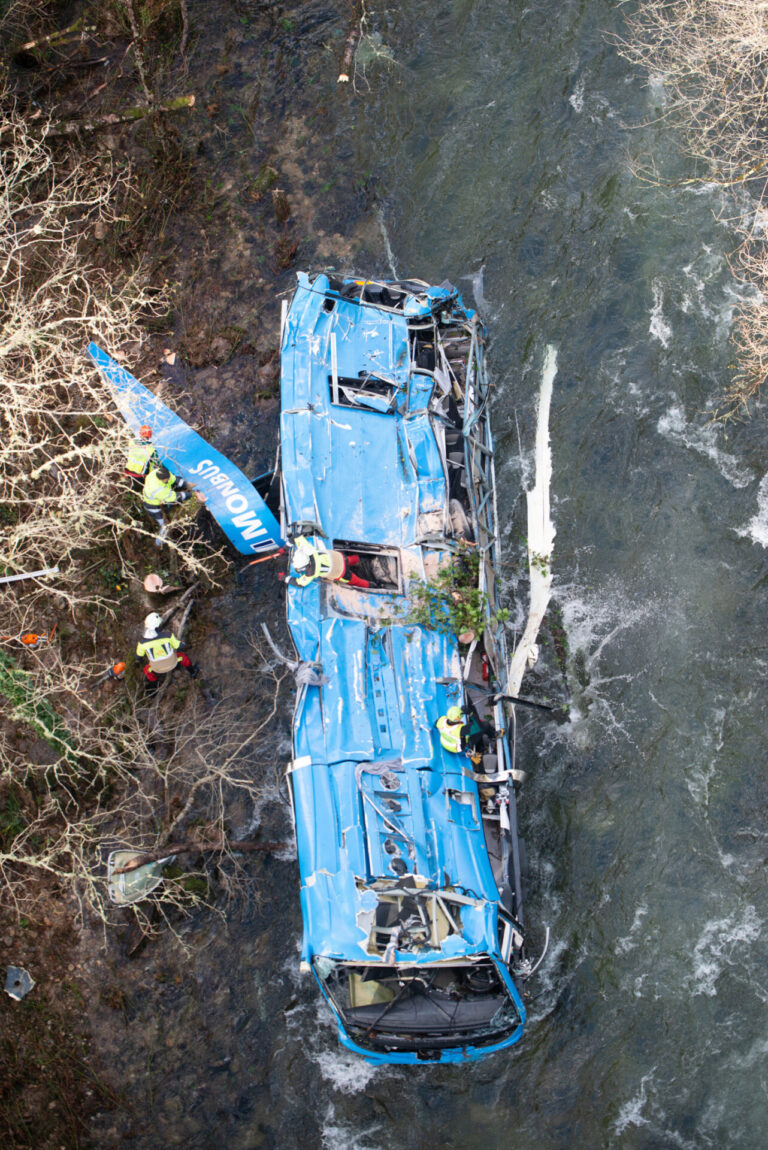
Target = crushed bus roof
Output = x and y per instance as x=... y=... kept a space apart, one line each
x=386 y=459
x=386 y=686
x=391 y=463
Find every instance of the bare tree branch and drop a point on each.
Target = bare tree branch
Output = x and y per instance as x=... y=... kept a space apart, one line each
x=708 y=59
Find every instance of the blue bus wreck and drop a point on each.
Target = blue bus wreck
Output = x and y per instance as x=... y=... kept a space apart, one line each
x=408 y=851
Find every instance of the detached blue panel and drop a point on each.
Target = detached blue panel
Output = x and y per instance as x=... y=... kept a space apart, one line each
x=231 y=498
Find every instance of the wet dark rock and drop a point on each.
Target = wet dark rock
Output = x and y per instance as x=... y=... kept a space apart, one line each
x=174 y=370
x=281 y=205
x=286 y=251
x=222 y=1064
x=268 y=377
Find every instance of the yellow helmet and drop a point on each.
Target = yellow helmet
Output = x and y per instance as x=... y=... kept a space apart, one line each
x=454 y=714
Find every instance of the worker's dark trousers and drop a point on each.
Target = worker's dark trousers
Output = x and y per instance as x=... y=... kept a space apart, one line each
x=155 y=513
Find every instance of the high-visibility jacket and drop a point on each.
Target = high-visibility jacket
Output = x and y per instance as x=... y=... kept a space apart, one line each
x=157 y=491
x=322 y=564
x=139 y=458
x=319 y=567
x=450 y=733
x=160 y=651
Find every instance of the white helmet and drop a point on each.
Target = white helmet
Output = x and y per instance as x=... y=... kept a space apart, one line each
x=151 y=624
x=300 y=559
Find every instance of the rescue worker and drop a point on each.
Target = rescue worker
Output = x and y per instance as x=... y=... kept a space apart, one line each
x=457 y=734
x=160 y=648
x=141 y=455
x=162 y=489
x=315 y=563
x=450 y=726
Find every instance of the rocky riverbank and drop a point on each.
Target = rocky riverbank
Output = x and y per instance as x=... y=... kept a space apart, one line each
x=231 y=194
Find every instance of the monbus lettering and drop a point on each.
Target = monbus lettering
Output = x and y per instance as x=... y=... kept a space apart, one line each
x=204 y=464
x=236 y=502
x=252 y=524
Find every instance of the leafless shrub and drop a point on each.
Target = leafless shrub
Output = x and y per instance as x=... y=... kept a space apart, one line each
x=75 y=769
x=750 y=334
x=127 y=775
x=15 y=17
x=712 y=58
x=61 y=448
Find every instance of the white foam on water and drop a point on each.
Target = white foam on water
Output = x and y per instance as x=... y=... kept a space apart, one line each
x=348 y=1073
x=521 y=469
x=757 y=528
x=290 y=973
x=659 y=328
x=631 y=1113
x=715 y=305
x=713 y=1116
x=657 y=91
x=721 y=944
x=387 y=244
x=476 y=279
x=296 y=1021
x=700 y=774
x=726 y=860
x=576 y=99
x=549 y=979
x=735 y=295
x=630 y=941
x=693 y=301
x=340 y=1136
x=755 y=1056
x=703 y=439
x=638 y=988
x=625 y=394
x=601 y=110
x=654 y=1120
x=592 y=622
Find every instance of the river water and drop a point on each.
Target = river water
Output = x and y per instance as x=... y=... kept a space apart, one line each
x=493 y=144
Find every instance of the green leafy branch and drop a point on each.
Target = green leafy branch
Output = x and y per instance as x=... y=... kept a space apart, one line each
x=451 y=602
x=540 y=562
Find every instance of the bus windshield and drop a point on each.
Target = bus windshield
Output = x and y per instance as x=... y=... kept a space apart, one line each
x=417 y=1008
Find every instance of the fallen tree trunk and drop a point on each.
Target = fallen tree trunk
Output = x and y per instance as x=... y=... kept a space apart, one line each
x=61 y=35
x=353 y=35
x=111 y=119
x=177 y=604
x=197 y=848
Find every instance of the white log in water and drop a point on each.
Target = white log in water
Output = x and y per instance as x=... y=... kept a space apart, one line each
x=541 y=534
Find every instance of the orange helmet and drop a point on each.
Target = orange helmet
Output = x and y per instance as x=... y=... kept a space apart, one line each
x=145 y=432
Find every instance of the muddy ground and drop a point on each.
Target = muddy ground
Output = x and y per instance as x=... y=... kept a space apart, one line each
x=235 y=194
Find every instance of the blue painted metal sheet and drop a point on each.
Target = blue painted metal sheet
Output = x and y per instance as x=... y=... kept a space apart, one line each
x=388 y=681
x=230 y=496
x=384 y=490
x=366 y=476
